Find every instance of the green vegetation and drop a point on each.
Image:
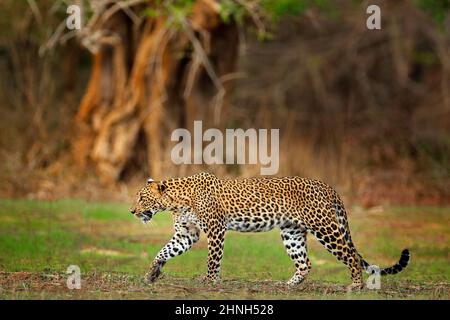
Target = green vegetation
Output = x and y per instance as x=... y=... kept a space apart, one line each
x=39 y=240
x=438 y=9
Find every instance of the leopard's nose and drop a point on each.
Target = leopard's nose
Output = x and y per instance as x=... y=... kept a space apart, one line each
x=133 y=211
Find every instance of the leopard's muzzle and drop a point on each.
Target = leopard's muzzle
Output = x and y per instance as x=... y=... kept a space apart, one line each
x=144 y=216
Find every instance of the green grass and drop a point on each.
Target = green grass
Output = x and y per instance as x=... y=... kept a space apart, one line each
x=39 y=240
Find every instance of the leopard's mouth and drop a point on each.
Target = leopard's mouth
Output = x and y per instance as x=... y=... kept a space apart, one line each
x=146 y=216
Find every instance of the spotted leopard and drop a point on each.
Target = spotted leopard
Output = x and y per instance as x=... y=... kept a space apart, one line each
x=298 y=206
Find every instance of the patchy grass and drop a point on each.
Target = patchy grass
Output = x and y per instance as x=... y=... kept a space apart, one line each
x=39 y=240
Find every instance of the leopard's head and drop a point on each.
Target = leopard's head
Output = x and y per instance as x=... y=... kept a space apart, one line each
x=155 y=197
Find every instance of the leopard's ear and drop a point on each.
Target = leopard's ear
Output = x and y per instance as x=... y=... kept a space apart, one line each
x=157 y=187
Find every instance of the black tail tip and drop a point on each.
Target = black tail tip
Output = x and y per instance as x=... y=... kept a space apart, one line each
x=396 y=268
x=404 y=259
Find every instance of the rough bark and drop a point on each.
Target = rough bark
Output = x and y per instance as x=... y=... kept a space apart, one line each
x=147 y=79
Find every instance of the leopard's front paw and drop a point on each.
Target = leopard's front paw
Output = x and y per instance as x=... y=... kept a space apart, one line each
x=154 y=272
x=355 y=287
x=208 y=279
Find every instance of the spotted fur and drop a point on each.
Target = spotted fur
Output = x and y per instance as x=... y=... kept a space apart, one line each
x=297 y=206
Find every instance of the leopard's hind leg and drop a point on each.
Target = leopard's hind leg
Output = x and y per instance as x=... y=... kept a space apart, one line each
x=294 y=240
x=337 y=241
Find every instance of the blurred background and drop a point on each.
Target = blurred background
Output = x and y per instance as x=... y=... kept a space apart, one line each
x=88 y=113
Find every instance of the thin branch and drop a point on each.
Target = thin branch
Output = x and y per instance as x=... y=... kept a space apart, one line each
x=192 y=75
x=53 y=38
x=203 y=58
x=124 y=6
x=35 y=9
x=257 y=20
x=202 y=55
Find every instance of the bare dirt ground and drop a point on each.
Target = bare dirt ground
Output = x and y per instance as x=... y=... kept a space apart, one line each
x=28 y=285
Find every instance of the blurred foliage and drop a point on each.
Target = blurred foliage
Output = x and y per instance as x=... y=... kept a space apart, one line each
x=30 y=20
x=439 y=9
x=231 y=10
x=316 y=76
x=47 y=14
x=277 y=9
x=273 y=11
x=265 y=11
x=175 y=9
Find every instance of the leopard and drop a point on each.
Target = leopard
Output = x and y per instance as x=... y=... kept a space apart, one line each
x=298 y=206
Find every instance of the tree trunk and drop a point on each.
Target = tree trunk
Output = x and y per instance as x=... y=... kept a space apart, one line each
x=147 y=79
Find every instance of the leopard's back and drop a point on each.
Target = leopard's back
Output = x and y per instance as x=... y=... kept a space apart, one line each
x=260 y=204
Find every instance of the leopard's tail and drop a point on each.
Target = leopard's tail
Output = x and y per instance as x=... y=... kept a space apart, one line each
x=396 y=268
x=343 y=226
